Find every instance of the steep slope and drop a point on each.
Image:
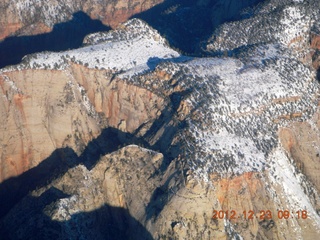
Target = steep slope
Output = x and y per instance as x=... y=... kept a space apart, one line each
x=288 y=23
x=66 y=107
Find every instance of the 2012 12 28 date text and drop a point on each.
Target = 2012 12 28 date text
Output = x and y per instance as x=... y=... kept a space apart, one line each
x=262 y=214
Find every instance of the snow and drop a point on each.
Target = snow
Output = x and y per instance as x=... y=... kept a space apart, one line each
x=294 y=24
x=284 y=174
x=11 y=83
x=231 y=231
x=86 y=102
x=62 y=208
x=285 y=23
x=227 y=142
x=30 y=9
x=243 y=84
x=238 y=103
x=129 y=55
x=236 y=98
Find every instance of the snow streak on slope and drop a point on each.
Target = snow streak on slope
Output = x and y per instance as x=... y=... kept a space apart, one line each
x=293 y=186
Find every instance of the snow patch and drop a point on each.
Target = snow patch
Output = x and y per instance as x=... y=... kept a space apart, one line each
x=128 y=52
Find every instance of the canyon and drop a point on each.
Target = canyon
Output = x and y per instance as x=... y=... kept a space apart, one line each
x=127 y=137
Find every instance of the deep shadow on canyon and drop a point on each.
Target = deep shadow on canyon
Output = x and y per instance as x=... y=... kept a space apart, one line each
x=15 y=190
x=64 y=36
x=187 y=23
x=106 y=223
x=184 y=23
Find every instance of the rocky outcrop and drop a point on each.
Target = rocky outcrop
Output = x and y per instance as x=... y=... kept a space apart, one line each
x=315 y=41
x=126 y=195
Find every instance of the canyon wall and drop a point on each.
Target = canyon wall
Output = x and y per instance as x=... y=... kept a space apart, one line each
x=34 y=17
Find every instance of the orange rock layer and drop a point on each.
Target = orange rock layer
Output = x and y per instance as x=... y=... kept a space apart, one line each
x=64 y=109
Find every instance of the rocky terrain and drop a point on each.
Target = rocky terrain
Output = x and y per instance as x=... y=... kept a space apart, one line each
x=34 y=17
x=29 y=27
x=126 y=138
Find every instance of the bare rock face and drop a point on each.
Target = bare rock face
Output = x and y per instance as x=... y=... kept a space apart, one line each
x=65 y=108
x=34 y=17
x=69 y=104
x=315 y=41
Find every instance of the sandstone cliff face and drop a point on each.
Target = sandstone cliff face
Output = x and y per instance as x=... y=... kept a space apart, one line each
x=65 y=108
x=34 y=17
x=70 y=104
